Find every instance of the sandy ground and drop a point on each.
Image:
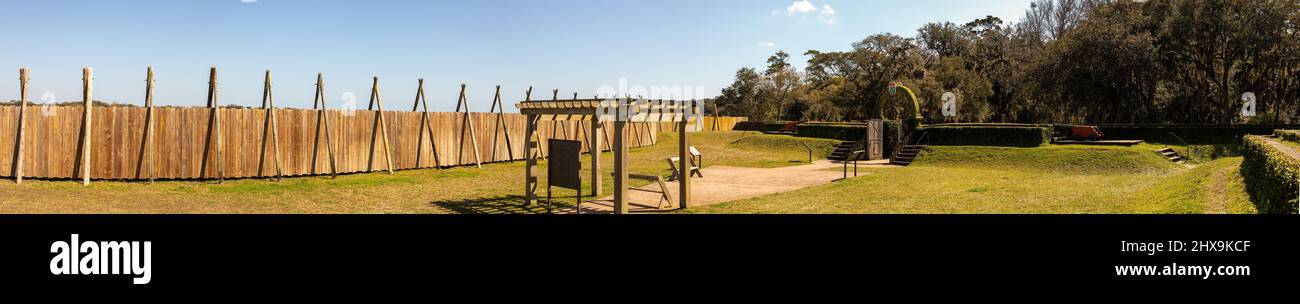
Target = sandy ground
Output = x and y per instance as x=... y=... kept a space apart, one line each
x=724 y=184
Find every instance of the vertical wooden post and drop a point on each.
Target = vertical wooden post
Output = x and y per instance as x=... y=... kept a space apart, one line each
x=594 y=147
x=716 y=119
x=322 y=121
x=22 y=127
x=620 y=163
x=683 y=152
x=426 y=125
x=380 y=128
x=530 y=181
x=468 y=124
x=541 y=150
x=214 y=102
x=147 y=150
x=271 y=126
x=87 y=81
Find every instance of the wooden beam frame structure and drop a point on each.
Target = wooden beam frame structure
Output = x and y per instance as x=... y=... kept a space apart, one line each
x=214 y=130
x=322 y=120
x=270 y=127
x=467 y=125
x=621 y=112
x=500 y=127
x=426 y=126
x=380 y=129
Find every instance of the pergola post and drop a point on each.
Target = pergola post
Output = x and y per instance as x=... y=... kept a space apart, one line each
x=683 y=154
x=530 y=146
x=594 y=148
x=620 y=167
x=620 y=163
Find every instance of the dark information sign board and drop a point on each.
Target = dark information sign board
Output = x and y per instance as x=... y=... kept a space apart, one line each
x=565 y=166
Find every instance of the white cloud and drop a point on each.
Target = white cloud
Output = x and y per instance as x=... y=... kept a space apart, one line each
x=768 y=44
x=827 y=14
x=801 y=7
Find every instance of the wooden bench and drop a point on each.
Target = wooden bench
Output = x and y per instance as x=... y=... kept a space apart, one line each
x=672 y=164
x=664 y=196
x=697 y=158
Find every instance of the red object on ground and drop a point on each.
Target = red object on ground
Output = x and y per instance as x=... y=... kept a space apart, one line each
x=790 y=127
x=1086 y=133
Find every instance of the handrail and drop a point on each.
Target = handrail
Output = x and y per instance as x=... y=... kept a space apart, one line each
x=810 y=151
x=925 y=136
x=898 y=145
x=839 y=136
x=1190 y=149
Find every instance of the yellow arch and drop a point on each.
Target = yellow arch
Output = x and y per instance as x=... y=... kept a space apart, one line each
x=916 y=106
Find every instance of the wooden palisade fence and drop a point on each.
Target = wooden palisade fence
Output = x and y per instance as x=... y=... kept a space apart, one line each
x=216 y=143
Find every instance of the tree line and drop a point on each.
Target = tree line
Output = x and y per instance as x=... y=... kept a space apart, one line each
x=1065 y=61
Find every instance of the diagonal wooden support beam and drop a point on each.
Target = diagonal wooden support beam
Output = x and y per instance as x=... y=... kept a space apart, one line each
x=467 y=125
x=145 y=165
x=500 y=127
x=87 y=80
x=380 y=129
x=22 y=127
x=426 y=126
x=270 y=127
x=214 y=128
x=322 y=121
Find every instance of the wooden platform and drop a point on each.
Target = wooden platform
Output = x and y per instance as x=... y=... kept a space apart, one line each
x=1126 y=143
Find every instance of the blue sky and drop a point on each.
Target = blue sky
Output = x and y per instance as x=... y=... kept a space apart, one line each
x=574 y=45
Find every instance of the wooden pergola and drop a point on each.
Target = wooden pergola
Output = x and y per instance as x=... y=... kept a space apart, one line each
x=620 y=112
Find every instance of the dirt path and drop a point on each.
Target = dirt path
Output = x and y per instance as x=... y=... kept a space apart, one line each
x=724 y=184
x=1283 y=147
x=1217 y=203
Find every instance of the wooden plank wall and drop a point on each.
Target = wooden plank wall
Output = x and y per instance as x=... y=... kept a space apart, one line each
x=51 y=142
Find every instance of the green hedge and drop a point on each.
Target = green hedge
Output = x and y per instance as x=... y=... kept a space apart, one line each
x=1288 y=135
x=1270 y=176
x=1193 y=134
x=988 y=135
x=759 y=126
x=833 y=131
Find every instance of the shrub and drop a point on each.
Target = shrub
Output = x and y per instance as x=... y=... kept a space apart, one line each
x=1270 y=175
x=838 y=131
x=759 y=126
x=1287 y=135
x=1192 y=134
x=988 y=135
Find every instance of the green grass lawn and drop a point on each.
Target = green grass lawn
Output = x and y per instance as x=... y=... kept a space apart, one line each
x=1044 y=180
x=1050 y=179
x=496 y=188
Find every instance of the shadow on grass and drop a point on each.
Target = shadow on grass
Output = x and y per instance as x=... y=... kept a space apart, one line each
x=514 y=204
x=510 y=204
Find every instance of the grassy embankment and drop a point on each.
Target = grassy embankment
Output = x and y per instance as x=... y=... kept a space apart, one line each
x=1044 y=180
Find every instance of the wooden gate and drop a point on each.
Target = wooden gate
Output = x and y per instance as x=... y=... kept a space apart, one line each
x=875 y=139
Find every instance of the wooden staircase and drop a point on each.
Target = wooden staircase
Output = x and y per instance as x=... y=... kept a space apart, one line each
x=1171 y=155
x=907 y=155
x=842 y=151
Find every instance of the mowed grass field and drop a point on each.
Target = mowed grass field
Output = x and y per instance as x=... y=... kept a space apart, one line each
x=961 y=180
x=1044 y=180
x=495 y=188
